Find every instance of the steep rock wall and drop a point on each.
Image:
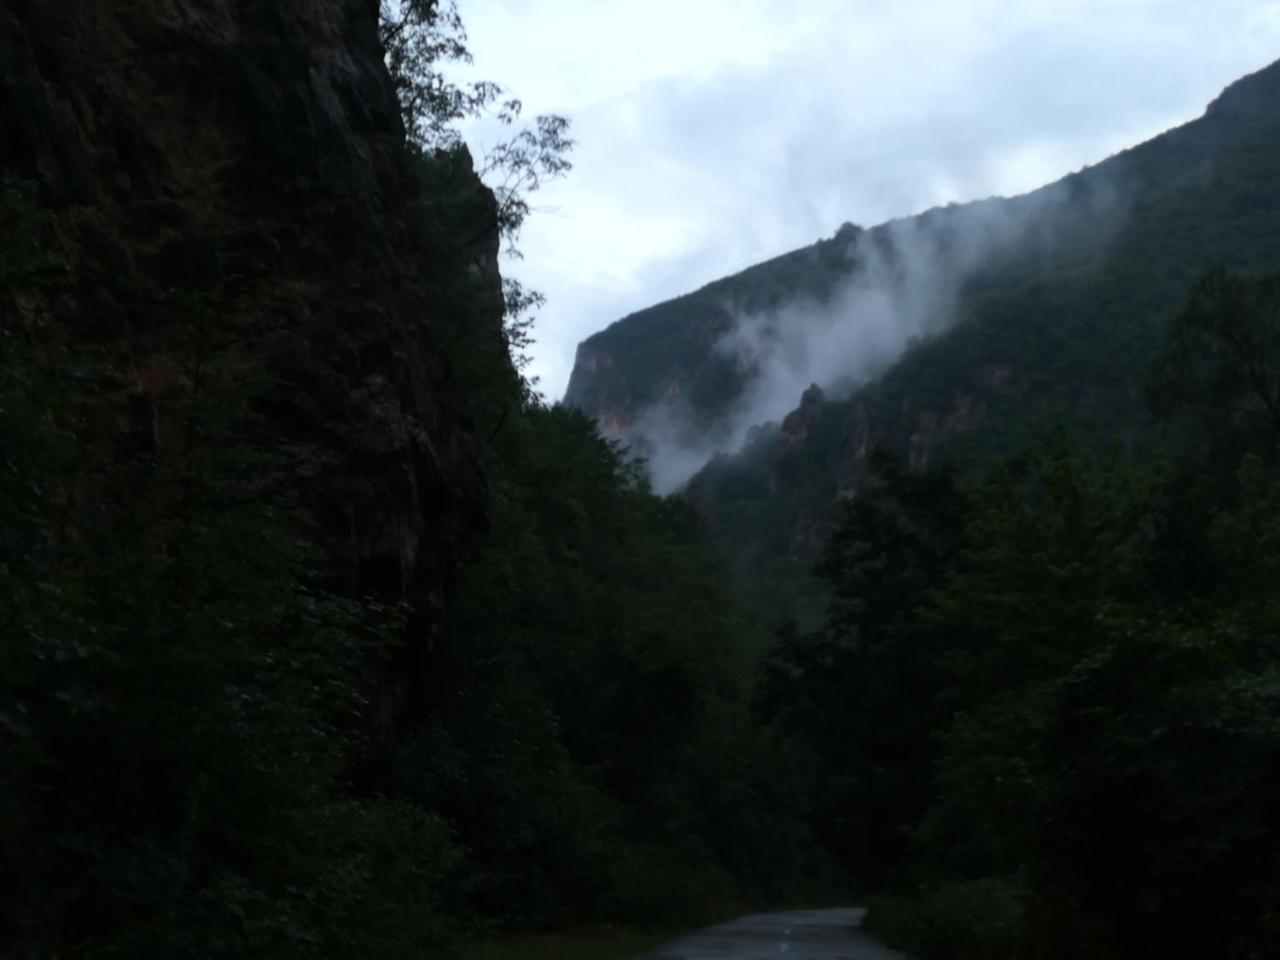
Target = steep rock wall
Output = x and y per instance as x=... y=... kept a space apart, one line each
x=229 y=177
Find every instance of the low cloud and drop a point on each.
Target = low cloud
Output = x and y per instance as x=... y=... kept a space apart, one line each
x=903 y=283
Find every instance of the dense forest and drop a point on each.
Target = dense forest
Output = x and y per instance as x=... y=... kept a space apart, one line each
x=270 y=686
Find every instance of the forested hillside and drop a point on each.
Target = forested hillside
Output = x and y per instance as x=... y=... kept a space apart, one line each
x=1058 y=316
x=1045 y=695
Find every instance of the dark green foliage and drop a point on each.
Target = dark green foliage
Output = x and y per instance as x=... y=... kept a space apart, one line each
x=420 y=37
x=1045 y=700
x=598 y=757
x=594 y=748
x=864 y=690
x=1222 y=362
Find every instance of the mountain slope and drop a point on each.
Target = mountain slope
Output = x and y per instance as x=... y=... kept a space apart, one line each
x=1055 y=312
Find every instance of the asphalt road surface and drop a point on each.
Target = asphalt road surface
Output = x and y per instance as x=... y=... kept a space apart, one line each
x=796 y=935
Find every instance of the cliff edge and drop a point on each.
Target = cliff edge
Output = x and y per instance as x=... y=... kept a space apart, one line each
x=229 y=179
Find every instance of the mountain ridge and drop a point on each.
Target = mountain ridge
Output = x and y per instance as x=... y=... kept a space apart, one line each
x=1251 y=94
x=1059 y=322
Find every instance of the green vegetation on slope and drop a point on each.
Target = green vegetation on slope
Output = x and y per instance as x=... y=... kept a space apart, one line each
x=1067 y=337
x=1046 y=699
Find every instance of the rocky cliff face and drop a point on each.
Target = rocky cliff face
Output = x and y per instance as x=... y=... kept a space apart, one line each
x=678 y=347
x=229 y=183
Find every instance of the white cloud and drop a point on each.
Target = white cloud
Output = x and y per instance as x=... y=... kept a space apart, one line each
x=714 y=134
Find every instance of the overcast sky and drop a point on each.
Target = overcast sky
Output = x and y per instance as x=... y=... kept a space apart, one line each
x=713 y=134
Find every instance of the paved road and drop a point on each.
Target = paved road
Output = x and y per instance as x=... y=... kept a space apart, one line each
x=797 y=935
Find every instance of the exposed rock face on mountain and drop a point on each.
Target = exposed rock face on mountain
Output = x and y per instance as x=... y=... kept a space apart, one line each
x=1010 y=314
x=231 y=190
x=635 y=362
